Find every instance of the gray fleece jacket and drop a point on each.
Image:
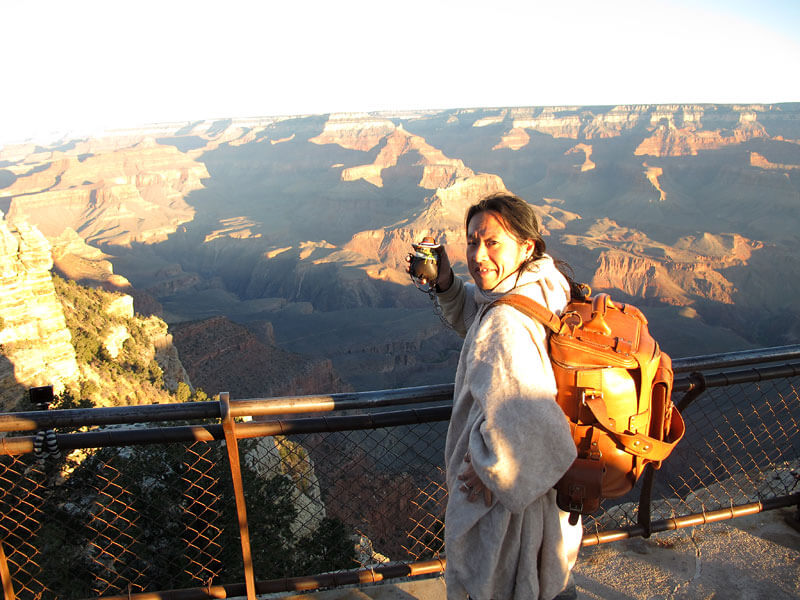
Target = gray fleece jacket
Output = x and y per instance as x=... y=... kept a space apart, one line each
x=505 y=416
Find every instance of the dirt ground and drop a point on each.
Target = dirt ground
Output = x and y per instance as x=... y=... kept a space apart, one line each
x=748 y=558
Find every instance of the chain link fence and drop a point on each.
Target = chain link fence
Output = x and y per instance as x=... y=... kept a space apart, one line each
x=125 y=509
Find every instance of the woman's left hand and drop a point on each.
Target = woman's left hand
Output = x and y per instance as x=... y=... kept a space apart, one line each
x=473 y=485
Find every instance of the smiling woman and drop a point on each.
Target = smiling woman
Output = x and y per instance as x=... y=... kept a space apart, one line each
x=508 y=442
x=493 y=252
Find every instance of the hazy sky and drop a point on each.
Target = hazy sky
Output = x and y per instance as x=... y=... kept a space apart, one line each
x=110 y=63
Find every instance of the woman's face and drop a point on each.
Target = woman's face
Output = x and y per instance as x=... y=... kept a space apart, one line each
x=492 y=252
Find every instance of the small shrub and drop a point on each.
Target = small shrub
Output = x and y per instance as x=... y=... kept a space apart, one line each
x=183 y=393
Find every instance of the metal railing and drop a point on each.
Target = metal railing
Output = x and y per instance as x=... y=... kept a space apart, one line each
x=217 y=499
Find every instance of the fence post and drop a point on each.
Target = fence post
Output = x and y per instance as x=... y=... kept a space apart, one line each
x=232 y=446
x=5 y=575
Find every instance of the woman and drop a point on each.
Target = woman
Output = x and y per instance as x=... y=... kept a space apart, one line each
x=508 y=442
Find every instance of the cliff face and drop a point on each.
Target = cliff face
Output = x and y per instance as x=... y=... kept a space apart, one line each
x=693 y=268
x=123 y=358
x=82 y=341
x=34 y=337
x=221 y=356
x=75 y=259
x=677 y=130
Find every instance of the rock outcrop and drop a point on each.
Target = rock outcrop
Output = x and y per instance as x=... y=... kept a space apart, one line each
x=671 y=130
x=33 y=333
x=438 y=170
x=514 y=139
x=761 y=162
x=689 y=270
x=587 y=165
x=354 y=131
x=671 y=140
x=75 y=259
x=442 y=218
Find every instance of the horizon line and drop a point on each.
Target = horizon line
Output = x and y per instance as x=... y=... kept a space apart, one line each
x=66 y=134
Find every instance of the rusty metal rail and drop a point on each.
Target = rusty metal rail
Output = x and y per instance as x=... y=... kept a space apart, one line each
x=262 y=407
x=155 y=501
x=191 y=433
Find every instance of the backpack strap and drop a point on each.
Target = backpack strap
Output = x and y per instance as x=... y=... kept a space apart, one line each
x=532 y=309
x=637 y=444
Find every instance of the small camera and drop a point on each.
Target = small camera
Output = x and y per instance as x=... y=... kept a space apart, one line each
x=424 y=262
x=41 y=397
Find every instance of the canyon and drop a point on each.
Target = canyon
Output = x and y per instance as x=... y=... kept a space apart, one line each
x=278 y=245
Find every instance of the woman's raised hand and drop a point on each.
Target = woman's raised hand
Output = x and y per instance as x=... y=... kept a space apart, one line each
x=444 y=278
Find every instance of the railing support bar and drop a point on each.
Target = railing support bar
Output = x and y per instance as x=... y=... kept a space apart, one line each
x=232 y=446
x=698 y=386
x=723 y=514
x=646 y=499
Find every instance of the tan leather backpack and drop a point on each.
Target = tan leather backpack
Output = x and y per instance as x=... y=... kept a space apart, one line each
x=614 y=386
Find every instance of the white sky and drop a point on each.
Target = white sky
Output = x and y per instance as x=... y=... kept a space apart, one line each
x=84 y=65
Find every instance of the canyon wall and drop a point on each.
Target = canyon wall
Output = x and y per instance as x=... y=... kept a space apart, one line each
x=303 y=224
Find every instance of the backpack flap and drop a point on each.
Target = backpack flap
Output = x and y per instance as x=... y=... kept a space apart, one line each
x=597 y=333
x=579 y=491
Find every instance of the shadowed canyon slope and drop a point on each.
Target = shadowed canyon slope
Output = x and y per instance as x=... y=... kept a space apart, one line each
x=301 y=225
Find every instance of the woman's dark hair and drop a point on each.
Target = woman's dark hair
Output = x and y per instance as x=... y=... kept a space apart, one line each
x=519 y=219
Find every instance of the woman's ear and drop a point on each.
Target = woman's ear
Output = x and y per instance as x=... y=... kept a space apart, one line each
x=530 y=248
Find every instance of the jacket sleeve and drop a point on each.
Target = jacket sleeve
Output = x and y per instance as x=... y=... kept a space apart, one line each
x=454 y=303
x=522 y=445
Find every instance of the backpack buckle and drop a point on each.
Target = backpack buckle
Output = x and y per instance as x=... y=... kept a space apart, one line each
x=590 y=394
x=577 y=493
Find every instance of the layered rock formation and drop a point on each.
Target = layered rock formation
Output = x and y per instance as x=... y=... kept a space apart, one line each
x=438 y=170
x=442 y=218
x=354 y=131
x=587 y=165
x=75 y=259
x=37 y=325
x=36 y=344
x=761 y=162
x=514 y=139
x=691 y=268
x=670 y=140
x=127 y=195
x=677 y=130
x=123 y=358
